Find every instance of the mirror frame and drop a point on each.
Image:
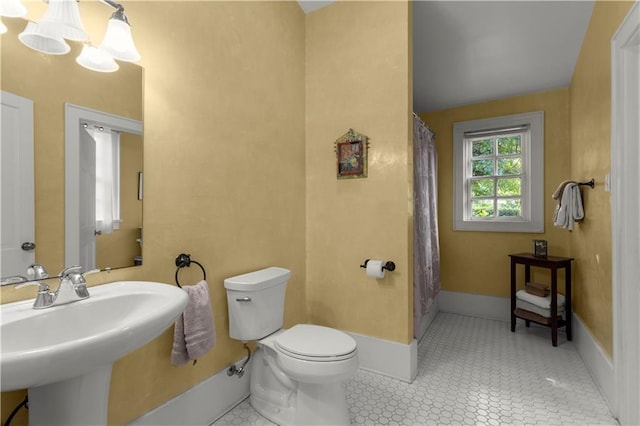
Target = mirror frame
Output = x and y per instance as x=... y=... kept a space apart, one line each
x=73 y=116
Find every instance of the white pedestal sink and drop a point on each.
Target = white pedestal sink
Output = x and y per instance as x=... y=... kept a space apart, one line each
x=64 y=354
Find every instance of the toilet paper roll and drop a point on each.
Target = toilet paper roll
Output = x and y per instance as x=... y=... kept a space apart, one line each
x=374 y=268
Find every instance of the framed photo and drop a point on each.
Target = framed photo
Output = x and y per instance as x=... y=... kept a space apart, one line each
x=351 y=151
x=540 y=248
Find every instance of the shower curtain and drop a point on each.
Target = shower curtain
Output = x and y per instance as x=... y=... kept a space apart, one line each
x=426 y=249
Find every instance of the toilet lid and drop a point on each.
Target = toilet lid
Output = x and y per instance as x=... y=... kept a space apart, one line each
x=315 y=341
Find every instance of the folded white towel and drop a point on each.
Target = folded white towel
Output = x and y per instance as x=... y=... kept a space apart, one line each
x=538 y=310
x=570 y=208
x=543 y=302
x=194 y=333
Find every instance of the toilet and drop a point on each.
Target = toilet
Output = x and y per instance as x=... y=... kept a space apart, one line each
x=296 y=373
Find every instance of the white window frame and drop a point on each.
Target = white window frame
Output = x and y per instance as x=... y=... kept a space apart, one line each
x=532 y=219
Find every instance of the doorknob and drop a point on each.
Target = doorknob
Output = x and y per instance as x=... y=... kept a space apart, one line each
x=28 y=246
x=97 y=232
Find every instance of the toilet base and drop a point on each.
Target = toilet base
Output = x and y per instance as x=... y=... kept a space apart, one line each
x=314 y=404
x=324 y=404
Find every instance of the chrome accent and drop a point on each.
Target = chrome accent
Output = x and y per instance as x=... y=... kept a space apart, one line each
x=235 y=371
x=44 y=298
x=243 y=299
x=72 y=287
x=15 y=279
x=28 y=246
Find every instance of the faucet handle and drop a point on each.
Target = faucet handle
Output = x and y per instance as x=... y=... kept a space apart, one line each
x=37 y=271
x=68 y=271
x=44 y=298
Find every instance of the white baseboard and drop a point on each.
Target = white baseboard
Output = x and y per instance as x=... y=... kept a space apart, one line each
x=475 y=305
x=202 y=404
x=388 y=358
x=596 y=360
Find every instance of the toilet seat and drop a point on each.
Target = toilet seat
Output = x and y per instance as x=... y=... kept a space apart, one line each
x=315 y=343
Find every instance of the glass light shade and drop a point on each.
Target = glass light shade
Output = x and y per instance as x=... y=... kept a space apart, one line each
x=62 y=19
x=12 y=8
x=3 y=28
x=96 y=59
x=34 y=37
x=118 y=41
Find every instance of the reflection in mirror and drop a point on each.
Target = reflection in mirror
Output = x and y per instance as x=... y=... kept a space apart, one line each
x=17 y=237
x=103 y=213
x=50 y=82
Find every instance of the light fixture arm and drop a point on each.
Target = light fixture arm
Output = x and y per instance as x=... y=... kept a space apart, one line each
x=113 y=4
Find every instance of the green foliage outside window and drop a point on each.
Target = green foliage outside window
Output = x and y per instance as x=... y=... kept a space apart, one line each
x=482 y=168
x=482 y=148
x=482 y=208
x=509 y=145
x=482 y=188
x=509 y=207
x=504 y=159
x=509 y=187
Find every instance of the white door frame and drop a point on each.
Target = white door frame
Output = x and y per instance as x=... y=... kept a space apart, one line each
x=74 y=115
x=625 y=205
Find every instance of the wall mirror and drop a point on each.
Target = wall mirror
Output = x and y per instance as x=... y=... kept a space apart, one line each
x=65 y=97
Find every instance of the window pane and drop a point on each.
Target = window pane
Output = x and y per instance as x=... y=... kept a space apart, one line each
x=510 y=207
x=482 y=188
x=509 y=166
x=509 y=187
x=481 y=208
x=482 y=167
x=509 y=145
x=482 y=147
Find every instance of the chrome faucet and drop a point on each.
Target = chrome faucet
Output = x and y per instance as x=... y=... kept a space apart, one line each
x=72 y=287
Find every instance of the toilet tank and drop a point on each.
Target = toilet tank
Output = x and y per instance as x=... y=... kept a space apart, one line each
x=256 y=303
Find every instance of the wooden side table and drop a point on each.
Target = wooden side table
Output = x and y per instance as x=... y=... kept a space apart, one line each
x=553 y=263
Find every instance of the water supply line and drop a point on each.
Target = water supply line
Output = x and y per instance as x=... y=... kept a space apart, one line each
x=233 y=370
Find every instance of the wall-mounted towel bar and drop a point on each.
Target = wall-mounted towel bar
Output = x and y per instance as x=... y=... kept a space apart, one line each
x=591 y=183
x=184 y=260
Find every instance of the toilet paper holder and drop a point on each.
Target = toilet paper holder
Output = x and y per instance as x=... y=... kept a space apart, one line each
x=389 y=265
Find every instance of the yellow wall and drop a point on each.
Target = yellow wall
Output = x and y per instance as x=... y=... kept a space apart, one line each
x=224 y=161
x=477 y=262
x=590 y=100
x=358 y=76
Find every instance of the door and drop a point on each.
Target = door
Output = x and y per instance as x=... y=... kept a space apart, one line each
x=87 y=222
x=625 y=203
x=16 y=168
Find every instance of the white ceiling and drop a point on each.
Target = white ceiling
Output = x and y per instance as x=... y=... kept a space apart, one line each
x=473 y=51
x=311 y=5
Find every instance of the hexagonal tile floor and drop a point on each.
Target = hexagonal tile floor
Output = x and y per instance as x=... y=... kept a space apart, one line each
x=474 y=371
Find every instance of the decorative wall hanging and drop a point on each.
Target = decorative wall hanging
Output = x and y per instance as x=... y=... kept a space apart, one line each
x=351 y=151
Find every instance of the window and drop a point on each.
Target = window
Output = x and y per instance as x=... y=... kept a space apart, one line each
x=499 y=174
x=107 y=178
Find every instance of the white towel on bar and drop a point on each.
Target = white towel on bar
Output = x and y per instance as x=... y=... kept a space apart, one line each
x=570 y=208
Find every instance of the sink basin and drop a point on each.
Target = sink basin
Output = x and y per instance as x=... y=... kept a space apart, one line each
x=42 y=347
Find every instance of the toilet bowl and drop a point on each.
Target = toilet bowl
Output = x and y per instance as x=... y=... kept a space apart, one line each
x=296 y=373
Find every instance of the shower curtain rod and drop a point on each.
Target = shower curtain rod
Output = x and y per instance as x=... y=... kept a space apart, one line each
x=423 y=123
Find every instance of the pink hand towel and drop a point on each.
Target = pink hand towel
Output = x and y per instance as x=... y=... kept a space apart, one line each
x=194 y=333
